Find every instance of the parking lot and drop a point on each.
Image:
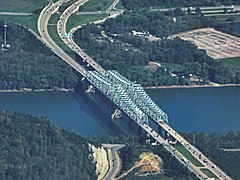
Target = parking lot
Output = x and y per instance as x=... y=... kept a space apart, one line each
x=218 y=45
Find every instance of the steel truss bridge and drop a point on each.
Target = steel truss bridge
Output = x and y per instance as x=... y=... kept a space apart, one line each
x=130 y=97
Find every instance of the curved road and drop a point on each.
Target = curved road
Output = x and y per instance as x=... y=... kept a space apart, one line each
x=61 y=28
x=68 y=39
x=45 y=37
x=114 y=160
x=62 y=32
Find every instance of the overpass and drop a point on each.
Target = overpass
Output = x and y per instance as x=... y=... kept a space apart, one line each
x=128 y=96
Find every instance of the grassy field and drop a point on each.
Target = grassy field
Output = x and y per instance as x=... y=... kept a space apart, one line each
x=54 y=19
x=22 y=5
x=188 y=155
x=66 y=5
x=52 y=29
x=171 y=66
x=96 y=5
x=28 y=21
x=235 y=61
x=208 y=173
x=76 y=20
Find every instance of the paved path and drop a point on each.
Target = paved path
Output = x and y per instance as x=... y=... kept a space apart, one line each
x=16 y=14
x=114 y=167
x=45 y=37
x=114 y=160
x=232 y=150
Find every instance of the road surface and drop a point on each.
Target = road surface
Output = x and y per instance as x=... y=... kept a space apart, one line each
x=67 y=39
x=114 y=160
x=61 y=28
x=16 y=14
x=45 y=37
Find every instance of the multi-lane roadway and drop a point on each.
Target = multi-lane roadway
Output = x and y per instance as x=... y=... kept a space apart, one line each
x=67 y=39
x=208 y=164
x=114 y=160
x=45 y=37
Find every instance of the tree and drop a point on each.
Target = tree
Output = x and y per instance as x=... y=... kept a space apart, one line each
x=198 y=11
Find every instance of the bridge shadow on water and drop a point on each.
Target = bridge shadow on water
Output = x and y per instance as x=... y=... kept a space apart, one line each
x=103 y=109
x=100 y=108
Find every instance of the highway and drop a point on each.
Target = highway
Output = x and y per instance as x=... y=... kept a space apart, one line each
x=67 y=38
x=61 y=28
x=174 y=152
x=195 y=152
x=45 y=37
x=202 y=8
x=114 y=160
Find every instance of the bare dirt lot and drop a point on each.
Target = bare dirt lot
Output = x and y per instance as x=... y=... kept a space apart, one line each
x=218 y=45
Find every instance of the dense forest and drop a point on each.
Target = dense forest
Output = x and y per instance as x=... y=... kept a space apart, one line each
x=33 y=148
x=30 y=64
x=135 y=4
x=114 y=46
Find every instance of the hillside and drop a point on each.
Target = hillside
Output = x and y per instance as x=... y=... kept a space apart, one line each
x=30 y=64
x=134 y=4
x=33 y=148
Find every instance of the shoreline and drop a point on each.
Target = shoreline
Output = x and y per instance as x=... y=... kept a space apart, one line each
x=192 y=86
x=37 y=90
x=145 y=87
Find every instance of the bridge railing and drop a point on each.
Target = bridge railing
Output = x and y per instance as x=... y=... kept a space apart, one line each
x=118 y=96
x=139 y=96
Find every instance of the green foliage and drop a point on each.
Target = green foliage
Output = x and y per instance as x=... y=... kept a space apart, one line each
x=27 y=21
x=136 y=4
x=231 y=61
x=171 y=167
x=188 y=155
x=208 y=173
x=22 y=5
x=96 y=5
x=33 y=148
x=30 y=64
x=212 y=145
x=76 y=20
x=119 y=49
x=65 y=5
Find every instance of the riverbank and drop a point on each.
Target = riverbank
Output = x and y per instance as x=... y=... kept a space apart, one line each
x=37 y=90
x=192 y=86
x=146 y=87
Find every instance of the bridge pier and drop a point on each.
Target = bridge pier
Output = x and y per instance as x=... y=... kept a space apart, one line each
x=117 y=114
x=90 y=89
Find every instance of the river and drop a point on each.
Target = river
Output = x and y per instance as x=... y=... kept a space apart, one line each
x=189 y=109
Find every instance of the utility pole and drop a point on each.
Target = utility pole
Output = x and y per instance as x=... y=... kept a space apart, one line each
x=5 y=46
